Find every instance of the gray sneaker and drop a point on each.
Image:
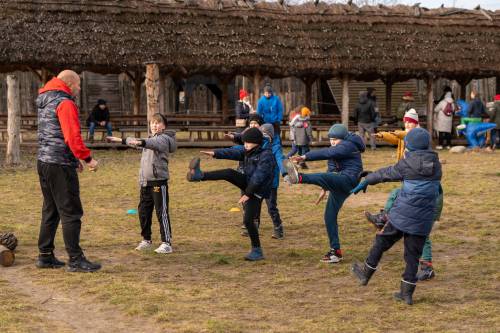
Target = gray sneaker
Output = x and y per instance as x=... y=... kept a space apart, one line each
x=293 y=174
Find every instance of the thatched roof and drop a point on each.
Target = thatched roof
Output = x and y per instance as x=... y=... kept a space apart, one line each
x=229 y=37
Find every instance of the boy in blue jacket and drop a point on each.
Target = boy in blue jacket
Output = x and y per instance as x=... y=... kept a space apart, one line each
x=412 y=214
x=344 y=167
x=255 y=182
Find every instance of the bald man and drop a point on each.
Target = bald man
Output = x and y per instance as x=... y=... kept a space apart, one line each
x=60 y=152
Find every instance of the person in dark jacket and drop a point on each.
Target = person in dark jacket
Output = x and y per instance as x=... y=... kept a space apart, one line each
x=243 y=108
x=153 y=181
x=271 y=202
x=365 y=116
x=476 y=107
x=99 y=117
x=412 y=214
x=255 y=182
x=60 y=152
x=344 y=167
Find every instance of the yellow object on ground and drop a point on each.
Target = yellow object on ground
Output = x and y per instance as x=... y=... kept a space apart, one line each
x=235 y=209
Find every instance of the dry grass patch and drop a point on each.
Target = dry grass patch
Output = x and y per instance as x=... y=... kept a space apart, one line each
x=205 y=286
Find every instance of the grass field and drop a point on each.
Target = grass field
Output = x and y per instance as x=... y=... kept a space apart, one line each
x=206 y=286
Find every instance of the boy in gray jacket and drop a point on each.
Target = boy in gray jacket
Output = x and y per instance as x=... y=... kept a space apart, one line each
x=153 y=179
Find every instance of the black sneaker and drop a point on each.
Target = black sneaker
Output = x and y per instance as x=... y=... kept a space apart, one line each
x=278 y=233
x=333 y=256
x=378 y=220
x=425 y=272
x=49 y=261
x=81 y=264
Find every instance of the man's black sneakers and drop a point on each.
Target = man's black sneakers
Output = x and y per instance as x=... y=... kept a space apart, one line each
x=49 y=261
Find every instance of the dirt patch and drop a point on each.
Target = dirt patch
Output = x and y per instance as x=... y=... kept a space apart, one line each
x=75 y=313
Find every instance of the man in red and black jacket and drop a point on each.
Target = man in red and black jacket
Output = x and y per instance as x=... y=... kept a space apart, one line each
x=60 y=149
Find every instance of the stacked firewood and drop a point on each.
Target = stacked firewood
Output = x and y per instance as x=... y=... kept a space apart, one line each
x=8 y=243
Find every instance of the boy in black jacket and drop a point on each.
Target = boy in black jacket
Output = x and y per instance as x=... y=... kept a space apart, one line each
x=412 y=214
x=255 y=182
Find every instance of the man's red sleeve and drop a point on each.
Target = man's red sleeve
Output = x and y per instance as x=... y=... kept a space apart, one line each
x=70 y=124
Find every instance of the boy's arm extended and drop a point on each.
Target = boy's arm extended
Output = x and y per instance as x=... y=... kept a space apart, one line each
x=163 y=143
x=389 y=137
x=387 y=174
x=324 y=154
x=264 y=171
x=235 y=154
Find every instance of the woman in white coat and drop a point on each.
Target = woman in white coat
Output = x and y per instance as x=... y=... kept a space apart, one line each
x=443 y=120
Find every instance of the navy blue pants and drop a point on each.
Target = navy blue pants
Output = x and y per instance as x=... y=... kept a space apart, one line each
x=339 y=187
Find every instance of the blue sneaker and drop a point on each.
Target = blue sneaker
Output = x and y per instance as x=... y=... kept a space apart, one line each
x=255 y=254
x=194 y=174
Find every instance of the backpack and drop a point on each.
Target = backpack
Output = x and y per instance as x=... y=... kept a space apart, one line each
x=448 y=109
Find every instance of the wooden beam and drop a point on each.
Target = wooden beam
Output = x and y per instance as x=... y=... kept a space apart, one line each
x=256 y=89
x=430 y=104
x=308 y=82
x=388 y=96
x=13 y=156
x=44 y=76
x=497 y=90
x=345 y=100
x=225 y=100
x=463 y=88
x=137 y=92
x=152 y=90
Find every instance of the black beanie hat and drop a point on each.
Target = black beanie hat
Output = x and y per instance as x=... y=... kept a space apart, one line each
x=255 y=117
x=252 y=135
x=101 y=102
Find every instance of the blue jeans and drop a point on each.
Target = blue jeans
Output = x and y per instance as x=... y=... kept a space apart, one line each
x=109 y=129
x=339 y=187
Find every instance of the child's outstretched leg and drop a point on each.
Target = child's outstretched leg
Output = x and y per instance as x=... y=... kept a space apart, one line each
x=234 y=177
x=413 y=250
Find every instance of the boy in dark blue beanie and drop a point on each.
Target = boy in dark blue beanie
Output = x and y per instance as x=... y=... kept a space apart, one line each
x=255 y=182
x=344 y=167
x=412 y=214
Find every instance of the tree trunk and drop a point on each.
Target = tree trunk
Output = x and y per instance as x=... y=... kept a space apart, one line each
x=6 y=256
x=497 y=90
x=152 y=90
x=13 y=156
x=345 y=100
x=430 y=104
x=256 y=90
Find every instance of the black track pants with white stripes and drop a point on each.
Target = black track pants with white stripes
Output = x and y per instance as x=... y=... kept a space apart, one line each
x=155 y=196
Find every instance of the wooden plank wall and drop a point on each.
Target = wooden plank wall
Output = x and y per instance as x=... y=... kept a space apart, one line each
x=118 y=91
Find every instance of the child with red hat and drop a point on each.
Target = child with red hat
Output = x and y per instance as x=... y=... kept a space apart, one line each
x=243 y=110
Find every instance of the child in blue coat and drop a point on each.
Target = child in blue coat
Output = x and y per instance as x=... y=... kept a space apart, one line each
x=255 y=183
x=412 y=214
x=344 y=167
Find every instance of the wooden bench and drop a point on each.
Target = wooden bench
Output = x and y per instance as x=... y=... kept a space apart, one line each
x=4 y=135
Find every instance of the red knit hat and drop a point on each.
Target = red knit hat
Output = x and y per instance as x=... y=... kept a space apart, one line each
x=408 y=96
x=411 y=116
x=497 y=97
x=243 y=93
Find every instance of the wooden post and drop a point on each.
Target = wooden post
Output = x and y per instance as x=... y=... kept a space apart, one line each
x=308 y=83
x=137 y=92
x=152 y=90
x=13 y=156
x=161 y=97
x=345 y=100
x=225 y=100
x=497 y=90
x=430 y=104
x=44 y=76
x=256 y=89
x=6 y=256
x=388 y=97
